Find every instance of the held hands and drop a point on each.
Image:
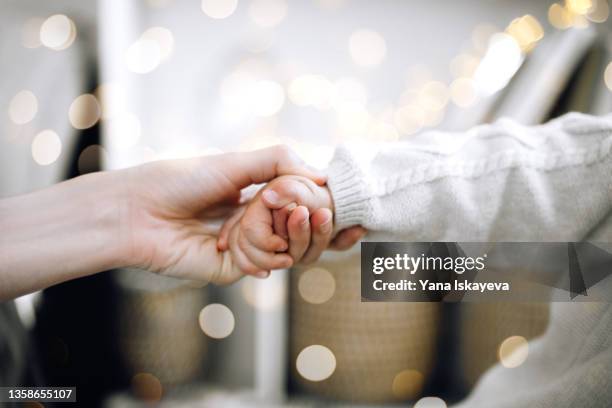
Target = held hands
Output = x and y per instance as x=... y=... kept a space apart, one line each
x=289 y=221
x=173 y=210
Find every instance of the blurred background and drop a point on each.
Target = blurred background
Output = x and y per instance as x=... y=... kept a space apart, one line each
x=106 y=84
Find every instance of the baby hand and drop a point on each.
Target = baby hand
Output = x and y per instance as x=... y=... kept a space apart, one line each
x=257 y=238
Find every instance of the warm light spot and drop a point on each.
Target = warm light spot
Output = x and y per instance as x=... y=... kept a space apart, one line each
x=526 y=31
x=464 y=65
x=219 y=9
x=268 y=13
x=382 y=131
x=417 y=75
x=147 y=387
x=91 y=159
x=143 y=56
x=30 y=33
x=409 y=119
x=367 y=48
x=123 y=130
x=316 y=363
x=608 y=76
x=112 y=99
x=217 y=321
x=84 y=111
x=433 y=96
x=46 y=147
x=23 y=107
x=311 y=90
x=268 y=97
x=481 y=35
x=316 y=285
x=433 y=117
x=559 y=17
x=164 y=39
x=579 y=6
x=263 y=295
x=407 y=384
x=498 y=66
x=58 y=32
x=600 y=11
x=513 y=351
x=463 y=92
x=430 y=402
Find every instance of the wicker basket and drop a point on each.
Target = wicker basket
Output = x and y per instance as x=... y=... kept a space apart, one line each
x=159 y=332
x=484 y=326
x=372 y=342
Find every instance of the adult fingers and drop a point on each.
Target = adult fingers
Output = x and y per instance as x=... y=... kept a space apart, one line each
x=298 y=227
x=345 y=239
x=321 y=224
x=259 y=166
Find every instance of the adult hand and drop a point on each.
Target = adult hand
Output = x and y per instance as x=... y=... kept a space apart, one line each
x=171 y=205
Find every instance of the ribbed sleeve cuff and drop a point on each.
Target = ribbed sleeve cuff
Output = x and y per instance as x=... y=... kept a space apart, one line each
x=349 y=190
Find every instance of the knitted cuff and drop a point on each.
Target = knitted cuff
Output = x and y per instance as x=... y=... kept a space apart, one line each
x=348 y=189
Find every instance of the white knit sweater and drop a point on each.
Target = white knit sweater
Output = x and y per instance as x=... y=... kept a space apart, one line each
x=501 y=182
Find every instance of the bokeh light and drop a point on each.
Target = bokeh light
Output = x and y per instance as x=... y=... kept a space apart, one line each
x=58 y=32
x=513 y=351
x=217 y=321
x=316 y=285
x=112 y=99
x=500 y=63
x=143 y=56
x=463 y=92
x=316 y=363
x=407 y=384
x=600 y=11
x=46 y=147
x=23 y=107
x=608 y=76
x=367 y=47
x=164 y=39
x=272 y=298
x=526 y=31
x=409 y=119
x=147 y=387
x=219 y=9
x=430 y=402
x=268 y=13
x=91 y=159
x=268 y=97
x=84 y=111
x=311 y=90
x=464 y=65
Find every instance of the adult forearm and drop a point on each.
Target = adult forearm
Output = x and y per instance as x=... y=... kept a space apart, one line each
x=70 y=230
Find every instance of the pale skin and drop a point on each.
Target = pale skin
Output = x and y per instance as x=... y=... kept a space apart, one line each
x=157 y=217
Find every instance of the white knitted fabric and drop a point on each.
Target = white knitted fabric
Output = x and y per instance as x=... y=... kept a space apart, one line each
x=501 y=182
